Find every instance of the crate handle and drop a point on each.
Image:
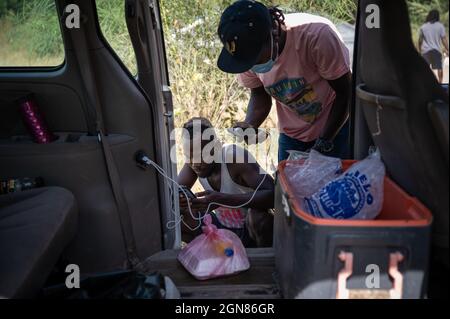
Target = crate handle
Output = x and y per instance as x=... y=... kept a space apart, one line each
x=344 y=274
x=397 y=278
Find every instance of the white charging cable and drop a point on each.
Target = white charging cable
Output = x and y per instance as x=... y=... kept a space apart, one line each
x=161 y=171
x=145 y=159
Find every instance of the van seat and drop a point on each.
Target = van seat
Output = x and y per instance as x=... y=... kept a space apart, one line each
x=35 y=227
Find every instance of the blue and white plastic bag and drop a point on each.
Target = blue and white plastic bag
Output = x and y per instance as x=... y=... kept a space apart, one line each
x=356 y=194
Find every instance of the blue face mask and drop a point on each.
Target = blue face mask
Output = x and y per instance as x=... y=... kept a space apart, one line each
x=265 y=67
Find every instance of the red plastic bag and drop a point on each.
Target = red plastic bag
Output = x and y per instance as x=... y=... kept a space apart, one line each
x=215 y=253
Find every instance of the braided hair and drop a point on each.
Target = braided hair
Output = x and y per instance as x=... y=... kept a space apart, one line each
x=277 y=16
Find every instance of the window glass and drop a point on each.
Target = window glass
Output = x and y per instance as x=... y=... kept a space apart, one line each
x=30 y=34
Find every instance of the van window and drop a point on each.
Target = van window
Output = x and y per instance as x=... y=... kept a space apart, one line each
x=429 y=28
x=111 y=16
x=30 y=34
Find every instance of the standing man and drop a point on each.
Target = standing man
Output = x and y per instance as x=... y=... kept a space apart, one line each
x=431 y=35
x=301 y=63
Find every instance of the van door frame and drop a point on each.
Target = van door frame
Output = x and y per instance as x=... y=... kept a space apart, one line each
x=145 y=28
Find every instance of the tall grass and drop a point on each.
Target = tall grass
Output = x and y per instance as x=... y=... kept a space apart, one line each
x=33 y=31
x=30 y=35
x=111 y=16
x=199 y=87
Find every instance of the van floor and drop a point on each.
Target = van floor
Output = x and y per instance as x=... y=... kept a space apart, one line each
x=256 y=283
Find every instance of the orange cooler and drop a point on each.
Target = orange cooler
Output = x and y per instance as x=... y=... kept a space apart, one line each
x=328 y=258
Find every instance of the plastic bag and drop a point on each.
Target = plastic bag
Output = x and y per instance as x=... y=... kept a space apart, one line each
x=356 y=194
x=297 y=155
x=311 y=171
x=215 y=253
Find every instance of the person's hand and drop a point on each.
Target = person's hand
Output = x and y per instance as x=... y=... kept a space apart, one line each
x=323 y=146
x=204 y=199
x=183 y=203
x=242 y=125
x=188 y=219
x=253 y=134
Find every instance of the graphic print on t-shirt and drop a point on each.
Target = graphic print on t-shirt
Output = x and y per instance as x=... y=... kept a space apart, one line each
x=299 y=95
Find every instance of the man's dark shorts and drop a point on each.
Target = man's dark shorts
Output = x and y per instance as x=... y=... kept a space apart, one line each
x=434 y=57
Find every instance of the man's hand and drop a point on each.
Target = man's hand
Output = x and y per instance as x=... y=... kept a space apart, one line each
x=250 y=133
x=203 y=200
x=242 y=125
x=188 y=219
x=323 y=146
x=183 y=202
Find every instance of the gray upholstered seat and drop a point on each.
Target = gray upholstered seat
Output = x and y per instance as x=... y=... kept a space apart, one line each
x=35 y=227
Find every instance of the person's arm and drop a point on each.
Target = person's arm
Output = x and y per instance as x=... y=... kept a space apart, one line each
x=187 y=176
x=445 y=43
x=248 y=175
x=258 y=108
x=340 y=108
x=420 y=40
x=332 y=60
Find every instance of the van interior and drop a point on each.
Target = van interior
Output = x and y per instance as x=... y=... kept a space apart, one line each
x=103 y=212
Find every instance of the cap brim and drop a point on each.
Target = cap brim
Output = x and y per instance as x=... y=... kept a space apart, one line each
x=229 y=64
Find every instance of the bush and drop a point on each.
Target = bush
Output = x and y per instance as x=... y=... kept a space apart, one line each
x=192 y=45
x=7 y=6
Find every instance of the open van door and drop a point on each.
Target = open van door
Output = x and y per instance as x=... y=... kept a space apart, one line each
x=403 y=110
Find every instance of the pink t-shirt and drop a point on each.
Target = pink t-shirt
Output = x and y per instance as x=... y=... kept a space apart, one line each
x=313 y=54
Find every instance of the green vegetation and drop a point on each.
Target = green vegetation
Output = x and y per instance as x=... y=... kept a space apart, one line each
x=30 y=35
x=199 y=87
x=418 y=11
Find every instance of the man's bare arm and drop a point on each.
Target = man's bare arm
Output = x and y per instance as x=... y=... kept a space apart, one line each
x=187 y=176
x=340 y=108
x=258 y=108
x=247 y=175
x=445 y=43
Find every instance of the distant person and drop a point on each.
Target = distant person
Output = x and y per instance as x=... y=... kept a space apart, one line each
x=230 y=178
x=301 y=62
x=432 y=35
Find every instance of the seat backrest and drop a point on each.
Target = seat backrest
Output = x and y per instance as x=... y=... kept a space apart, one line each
x=398 y=94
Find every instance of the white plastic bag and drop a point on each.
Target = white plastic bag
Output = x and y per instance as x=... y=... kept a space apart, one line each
x=356 y=194
x=312 y=172
x=297 y=155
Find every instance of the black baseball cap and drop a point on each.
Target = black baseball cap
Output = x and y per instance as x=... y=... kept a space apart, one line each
x=244 y=28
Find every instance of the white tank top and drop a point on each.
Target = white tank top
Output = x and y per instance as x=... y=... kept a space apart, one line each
x=229 y=217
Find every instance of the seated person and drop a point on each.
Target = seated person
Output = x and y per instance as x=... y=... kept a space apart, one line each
x=229 y=174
